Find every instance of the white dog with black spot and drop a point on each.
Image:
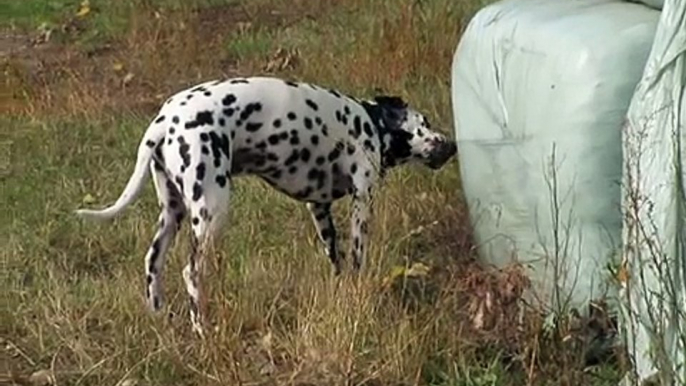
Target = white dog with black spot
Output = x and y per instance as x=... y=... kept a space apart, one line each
x=315 y=145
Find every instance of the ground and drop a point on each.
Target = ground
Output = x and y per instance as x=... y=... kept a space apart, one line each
x=82 y=79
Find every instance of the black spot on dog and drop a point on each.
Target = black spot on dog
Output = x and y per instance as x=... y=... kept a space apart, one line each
x=221 y=180
x=198 y=89
x=273 y=139
x=175 y=120
x=295 y=140
x=277 y=123
x=183 y=103
x=295 y=155
x=201 y=118
x=148 y=279
x=250 y=108
x=207 y=93
x=368 y=129
x=189 y=96
x=156 y=303
x=346 y=110
x=334 y=93
x=353 y=168
x=272 y=157
x=292 y=84
x=160 y=119
x=336 y=152
x=292 y=169
x=195 y=221
x=184 y=151
x=229 y=112
x=357 y=126
x=205 y=150
x=204 y=137
x=311 y=104
x=252 y=126
x=172 y=130
x=179 y=182
x=291 y=116
x=238 y=81
x=229 y=99
x=150 y=143
x=314 y=140
x=339 y=116
x=261 y=145
x=325 y=130
x=200 y=171
x=308 y=123
x=320 y=160
x=369 y=145
x=350 y=149
x=336 y=194
x=222 y=122
x=197 y=191
x=318 y=120
x=305 y=155
x=276 y=174
x=219 y=145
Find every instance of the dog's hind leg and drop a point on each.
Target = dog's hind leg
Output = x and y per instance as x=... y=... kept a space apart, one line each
x=170 y=218
x=208 y=209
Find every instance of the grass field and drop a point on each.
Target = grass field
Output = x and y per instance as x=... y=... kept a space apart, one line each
x=82 y=79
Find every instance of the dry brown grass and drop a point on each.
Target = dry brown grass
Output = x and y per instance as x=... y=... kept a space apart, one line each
x=75 y=290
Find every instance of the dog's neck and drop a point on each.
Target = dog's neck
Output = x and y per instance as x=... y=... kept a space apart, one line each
x=395 y=149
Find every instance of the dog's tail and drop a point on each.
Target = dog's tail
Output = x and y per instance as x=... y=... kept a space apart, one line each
x=146 y=149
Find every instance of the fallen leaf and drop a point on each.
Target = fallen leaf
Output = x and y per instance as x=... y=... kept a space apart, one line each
x=88 y=199
x=85 y=9
x=118 y=66
x=128 y=78
x=418 y=269
x=42 y=378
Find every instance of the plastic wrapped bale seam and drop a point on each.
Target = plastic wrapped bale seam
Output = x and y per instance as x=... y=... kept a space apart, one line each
x=654 y=232
x=540 y=90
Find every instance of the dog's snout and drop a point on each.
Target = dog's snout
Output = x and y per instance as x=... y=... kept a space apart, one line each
x=448 y=148
x=442 y=152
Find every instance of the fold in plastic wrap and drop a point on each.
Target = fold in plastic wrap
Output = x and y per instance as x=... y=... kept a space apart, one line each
x=654 y=232
x=540 y=91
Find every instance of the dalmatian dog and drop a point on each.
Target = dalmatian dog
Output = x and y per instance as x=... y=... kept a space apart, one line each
x=314 y=144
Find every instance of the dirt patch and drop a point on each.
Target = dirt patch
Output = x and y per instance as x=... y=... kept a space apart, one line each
x=161 y=52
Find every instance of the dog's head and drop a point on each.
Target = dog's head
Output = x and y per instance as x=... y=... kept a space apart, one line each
x=408 y=137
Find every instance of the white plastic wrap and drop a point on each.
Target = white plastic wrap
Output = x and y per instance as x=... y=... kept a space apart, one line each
x=654 y=232
x=536 y=83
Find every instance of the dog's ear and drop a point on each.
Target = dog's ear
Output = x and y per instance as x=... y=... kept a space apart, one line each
x=392 y=109
x=390 y=101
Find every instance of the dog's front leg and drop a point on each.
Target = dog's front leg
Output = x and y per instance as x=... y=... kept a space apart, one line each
x=361 y=212
x=323 y=221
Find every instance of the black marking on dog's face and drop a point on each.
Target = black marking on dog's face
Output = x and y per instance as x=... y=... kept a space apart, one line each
x=406 y=135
